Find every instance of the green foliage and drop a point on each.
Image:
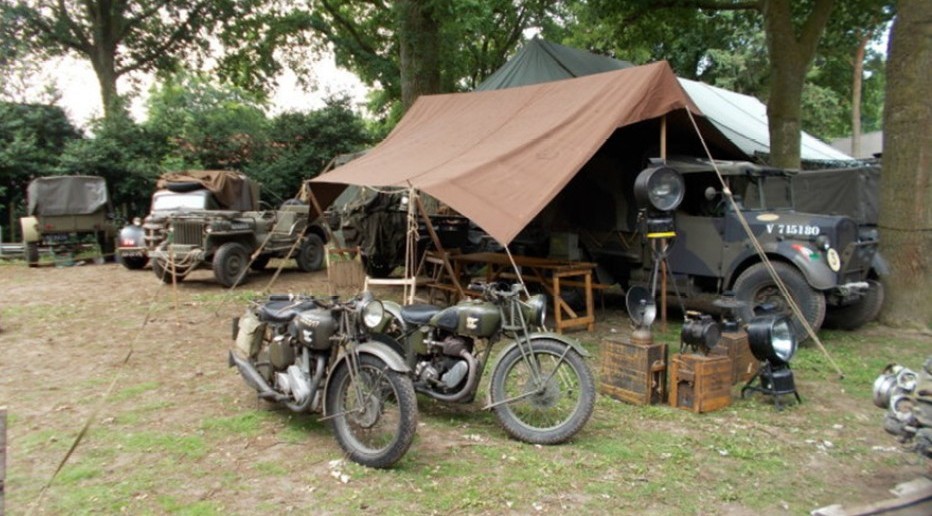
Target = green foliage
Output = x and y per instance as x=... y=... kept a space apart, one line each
x=31 y=139
x=301 y=145
x=206 y=125
x=474 y=39
x=125 y=154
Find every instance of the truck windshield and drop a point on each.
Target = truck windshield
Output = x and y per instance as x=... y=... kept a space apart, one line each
x=769 y=193
x=177 y=201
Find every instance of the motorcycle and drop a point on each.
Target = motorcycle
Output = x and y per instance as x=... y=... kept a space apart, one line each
x=317 y=355
x=541 y=391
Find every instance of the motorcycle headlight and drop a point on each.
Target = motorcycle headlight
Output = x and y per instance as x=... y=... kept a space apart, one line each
x=535 y=310
x=372 y=313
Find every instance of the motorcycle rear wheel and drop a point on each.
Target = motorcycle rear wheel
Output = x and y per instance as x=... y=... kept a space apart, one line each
x=377 y=429
x=559 y=410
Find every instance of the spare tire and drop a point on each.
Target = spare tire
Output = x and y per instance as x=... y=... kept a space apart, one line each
x=184 y=186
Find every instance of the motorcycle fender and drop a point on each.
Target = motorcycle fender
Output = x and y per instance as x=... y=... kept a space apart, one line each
x=381 y=351
x=393 y=310
x=571 y=342
x=378 y=349
x=30 y=227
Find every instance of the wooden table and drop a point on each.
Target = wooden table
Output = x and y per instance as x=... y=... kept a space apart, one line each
x=550 y=274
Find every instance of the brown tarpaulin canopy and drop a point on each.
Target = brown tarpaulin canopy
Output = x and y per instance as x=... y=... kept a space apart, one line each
x=233 y=190
x=498 y=157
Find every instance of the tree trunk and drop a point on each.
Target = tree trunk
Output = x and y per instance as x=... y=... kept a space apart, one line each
x=906 y=192
x=103 y=61
x=856 y=84
x=791 y=55
x=419 y=42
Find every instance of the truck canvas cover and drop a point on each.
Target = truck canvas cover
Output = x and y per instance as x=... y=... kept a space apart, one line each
x=233 y=190
x=67 y=195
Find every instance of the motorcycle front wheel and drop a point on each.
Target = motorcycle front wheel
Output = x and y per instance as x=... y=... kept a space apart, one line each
x=375 y=412
x=551 y=399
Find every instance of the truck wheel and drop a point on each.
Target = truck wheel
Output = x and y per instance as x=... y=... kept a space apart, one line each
x=32 y=253
x=163 y=272
x=133 y=263
x=760 y=295
x=230 y=263
x=311 y=255
x=857 y=314
x=107 y=247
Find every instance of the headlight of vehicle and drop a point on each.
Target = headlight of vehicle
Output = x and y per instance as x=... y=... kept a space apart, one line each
x=535 y=310
x=372 y=312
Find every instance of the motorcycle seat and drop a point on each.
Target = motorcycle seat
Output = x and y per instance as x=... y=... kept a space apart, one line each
x=419 y=313
x=283 y=311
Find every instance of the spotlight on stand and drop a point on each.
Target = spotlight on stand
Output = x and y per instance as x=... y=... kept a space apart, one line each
x=773 y=342
x=658 y=192
x=700 y=333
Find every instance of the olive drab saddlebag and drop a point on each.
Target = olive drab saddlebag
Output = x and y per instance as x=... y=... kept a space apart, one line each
x=249 y=335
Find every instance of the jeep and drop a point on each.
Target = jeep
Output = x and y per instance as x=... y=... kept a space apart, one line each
x=68 y=214
x=212 y=219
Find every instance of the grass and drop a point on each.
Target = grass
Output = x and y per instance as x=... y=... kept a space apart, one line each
x=635 y=459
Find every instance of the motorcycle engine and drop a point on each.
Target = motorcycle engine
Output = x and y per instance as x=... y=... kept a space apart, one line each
x=293 y=382
x=446 y=369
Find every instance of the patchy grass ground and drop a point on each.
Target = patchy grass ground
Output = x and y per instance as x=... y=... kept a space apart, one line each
x=180 y=432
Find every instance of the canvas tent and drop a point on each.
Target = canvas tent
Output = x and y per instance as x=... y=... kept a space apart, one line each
x=742 y=118
x=499 y=157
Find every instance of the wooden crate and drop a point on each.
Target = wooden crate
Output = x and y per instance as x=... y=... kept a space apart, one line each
x=700 y=383
x=633 y=370
x=734 y=345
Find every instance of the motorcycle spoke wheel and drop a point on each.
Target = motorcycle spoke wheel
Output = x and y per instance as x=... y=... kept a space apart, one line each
x=548 y=406
x=375 y=412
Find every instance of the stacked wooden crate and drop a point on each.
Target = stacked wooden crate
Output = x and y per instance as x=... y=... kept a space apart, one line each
x=634 y=370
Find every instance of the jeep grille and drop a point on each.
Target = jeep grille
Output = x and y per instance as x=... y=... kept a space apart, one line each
x=188 y=233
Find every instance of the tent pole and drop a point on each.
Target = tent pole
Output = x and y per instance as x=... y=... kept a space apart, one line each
x=411 y=245
x=436 y=239
x=663 y=138
x=663 y=264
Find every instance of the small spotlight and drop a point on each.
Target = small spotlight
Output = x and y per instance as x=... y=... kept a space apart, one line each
x=658 y=192
x=700 y=333
x=773 y=342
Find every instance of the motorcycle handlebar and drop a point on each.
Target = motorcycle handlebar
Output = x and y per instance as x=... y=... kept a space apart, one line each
x=497 y=289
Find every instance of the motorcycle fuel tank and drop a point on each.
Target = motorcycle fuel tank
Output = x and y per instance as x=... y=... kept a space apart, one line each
x=315 y=327
x=471 y=318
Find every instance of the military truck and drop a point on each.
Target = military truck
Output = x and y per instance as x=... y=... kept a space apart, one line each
x=212 y=219
x=826 y=262
x=68 y=214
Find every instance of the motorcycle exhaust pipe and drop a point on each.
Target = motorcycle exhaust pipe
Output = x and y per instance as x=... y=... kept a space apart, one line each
x=254 y=379
x=468 y=390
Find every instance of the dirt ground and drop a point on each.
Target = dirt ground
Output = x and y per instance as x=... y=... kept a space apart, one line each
x=178 y=431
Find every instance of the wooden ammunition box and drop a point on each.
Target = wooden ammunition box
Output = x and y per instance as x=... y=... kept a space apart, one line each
x=734 y=345
x=633 y=371
x=700 y=383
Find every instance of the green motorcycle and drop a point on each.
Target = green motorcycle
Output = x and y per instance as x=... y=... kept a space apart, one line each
x=542 y=391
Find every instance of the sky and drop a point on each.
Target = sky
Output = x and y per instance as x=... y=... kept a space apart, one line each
x=81 y=94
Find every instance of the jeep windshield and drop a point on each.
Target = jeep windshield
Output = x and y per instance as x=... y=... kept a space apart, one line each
x=175 y=201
